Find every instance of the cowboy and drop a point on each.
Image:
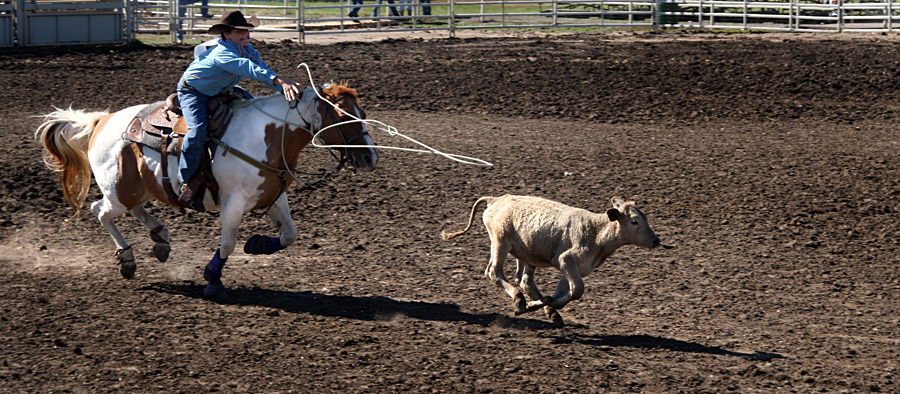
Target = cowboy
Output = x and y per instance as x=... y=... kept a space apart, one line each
x=215 y=71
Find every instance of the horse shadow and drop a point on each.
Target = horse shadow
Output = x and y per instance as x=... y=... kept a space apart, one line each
x=370 y=308
x=653 y=342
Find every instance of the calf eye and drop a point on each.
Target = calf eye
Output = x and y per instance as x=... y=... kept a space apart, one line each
x=634 y=223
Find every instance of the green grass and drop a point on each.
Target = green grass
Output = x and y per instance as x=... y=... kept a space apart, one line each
x=538 y=15
x=332 y=8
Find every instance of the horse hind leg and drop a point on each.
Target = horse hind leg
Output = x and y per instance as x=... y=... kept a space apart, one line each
x=106 y=212
x=280 y=213
x=158 y=233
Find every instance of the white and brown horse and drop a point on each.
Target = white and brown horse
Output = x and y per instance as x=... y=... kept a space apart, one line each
x=270 y=130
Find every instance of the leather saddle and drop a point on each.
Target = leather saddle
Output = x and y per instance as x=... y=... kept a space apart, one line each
x=160 y=126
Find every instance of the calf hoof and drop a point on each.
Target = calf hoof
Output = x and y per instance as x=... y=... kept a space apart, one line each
x=519 y=303
x=554 y=316
x=161 y=252
x=127 y=269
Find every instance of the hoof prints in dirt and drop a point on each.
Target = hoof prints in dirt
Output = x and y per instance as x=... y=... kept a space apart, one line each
x=765 y=161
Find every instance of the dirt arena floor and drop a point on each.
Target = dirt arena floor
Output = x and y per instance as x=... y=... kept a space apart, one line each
x=766 y=163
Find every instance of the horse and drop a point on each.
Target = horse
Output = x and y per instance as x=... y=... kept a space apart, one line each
x=265 y=136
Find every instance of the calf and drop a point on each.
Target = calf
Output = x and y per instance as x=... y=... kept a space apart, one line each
x=543 y=233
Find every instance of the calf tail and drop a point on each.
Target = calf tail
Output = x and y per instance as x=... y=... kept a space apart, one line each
x=488 y=199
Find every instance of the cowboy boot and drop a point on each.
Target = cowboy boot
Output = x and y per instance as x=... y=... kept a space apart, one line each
x=188 y=192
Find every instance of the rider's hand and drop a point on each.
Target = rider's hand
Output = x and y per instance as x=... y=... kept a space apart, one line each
x=290 y=87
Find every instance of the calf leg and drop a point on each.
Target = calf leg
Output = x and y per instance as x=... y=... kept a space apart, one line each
x=525 y=276
x=570 y=286
x=494 y=272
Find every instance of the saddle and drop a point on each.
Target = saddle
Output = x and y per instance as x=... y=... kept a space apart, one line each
x=159 y=127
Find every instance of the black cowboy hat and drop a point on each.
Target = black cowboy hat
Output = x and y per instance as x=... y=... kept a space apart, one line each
x=232 y=20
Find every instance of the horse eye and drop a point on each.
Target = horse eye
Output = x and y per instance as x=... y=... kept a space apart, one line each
x=634 y=223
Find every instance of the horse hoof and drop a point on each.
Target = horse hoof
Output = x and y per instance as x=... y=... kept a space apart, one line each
x=261 y=244
x=214 y=289
x=161 y=252
x=127 y=269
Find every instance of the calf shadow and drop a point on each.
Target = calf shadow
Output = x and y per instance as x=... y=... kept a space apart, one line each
x=652 y=342
x=369 y=308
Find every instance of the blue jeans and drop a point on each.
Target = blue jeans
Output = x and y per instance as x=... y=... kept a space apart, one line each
x=392 y=9
x=354 y=12
x=193 y=106
x=204 y=10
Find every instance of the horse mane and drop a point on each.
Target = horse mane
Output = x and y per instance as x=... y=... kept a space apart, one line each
x=338 y=89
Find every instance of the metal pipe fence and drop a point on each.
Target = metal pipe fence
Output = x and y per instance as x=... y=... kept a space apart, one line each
x=344 y=16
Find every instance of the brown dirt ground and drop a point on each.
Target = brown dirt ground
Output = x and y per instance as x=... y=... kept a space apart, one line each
x=766 y=163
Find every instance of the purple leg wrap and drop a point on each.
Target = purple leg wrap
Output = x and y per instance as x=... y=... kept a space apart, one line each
x=261 y=244
x=213 y=271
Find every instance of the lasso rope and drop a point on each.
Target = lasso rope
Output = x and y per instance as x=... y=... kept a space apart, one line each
x=375 y=124
x=390 y=130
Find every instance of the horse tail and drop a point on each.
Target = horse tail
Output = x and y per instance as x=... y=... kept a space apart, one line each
x=488 y=199
x=66 y=136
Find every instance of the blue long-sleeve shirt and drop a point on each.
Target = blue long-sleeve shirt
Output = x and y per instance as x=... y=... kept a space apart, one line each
x=224 y=66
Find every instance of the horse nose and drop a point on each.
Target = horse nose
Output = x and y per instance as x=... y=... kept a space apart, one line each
x=367 y=162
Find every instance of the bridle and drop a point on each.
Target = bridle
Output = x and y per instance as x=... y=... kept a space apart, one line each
x=338 y=121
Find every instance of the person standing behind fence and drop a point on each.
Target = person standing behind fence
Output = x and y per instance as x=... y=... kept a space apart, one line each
x=408 y=7
x=354 y=12
x=426 y=9
x=182 y=11
x=215 y=71
x=392 y=8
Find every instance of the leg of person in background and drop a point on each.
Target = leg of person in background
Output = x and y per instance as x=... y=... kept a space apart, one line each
x=392 y=8
x=179 y=35
x=375 y=10
x=204 y=9
x=426 y=9
x=408 y=7
x=354 y=12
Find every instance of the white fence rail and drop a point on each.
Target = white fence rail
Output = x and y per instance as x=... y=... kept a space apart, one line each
x=343 y=16
x=828 y=16
x=54 y=22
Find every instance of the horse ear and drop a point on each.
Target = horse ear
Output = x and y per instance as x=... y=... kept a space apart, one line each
x=612 y=214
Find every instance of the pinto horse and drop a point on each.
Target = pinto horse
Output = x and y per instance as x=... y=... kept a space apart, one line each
x=265 y=137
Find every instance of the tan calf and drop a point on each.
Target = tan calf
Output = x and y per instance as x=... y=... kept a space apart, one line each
x=541 y=233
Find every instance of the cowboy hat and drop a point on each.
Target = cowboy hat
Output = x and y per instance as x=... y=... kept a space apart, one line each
x=233 y=20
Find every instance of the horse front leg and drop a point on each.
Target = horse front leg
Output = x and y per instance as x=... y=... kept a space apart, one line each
x=230 y=214
x=280 y=213
x=106 y=211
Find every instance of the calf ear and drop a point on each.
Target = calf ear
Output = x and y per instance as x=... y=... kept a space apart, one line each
x=617 y=202
x=612 y=214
